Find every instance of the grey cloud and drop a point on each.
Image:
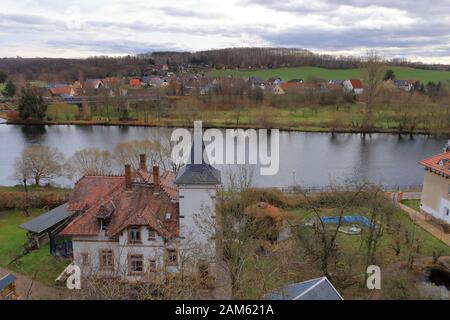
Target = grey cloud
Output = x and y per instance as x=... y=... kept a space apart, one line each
x=111 y=46
x=186 y=13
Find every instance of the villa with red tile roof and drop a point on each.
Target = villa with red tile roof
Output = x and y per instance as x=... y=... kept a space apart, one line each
x=139 y=223
x=435 y=199
x=354 y=86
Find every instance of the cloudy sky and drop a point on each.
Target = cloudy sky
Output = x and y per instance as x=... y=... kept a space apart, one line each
x=417 y=30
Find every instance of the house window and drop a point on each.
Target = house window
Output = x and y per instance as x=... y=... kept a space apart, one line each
x=446 y=211
x=84 y=259
x=106 y=259
x=172 y=257
x=151 y=235
x=134 y=236
x=136 y=263
x=151 y=265
x=103 y=224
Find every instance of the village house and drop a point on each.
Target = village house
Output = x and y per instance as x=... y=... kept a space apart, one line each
x=142 y=222
x=435 y=200
x=93 y=84
x=59 y=90
x=135 y=82
x=354 y=86
x=405 y=85
x=294 y=87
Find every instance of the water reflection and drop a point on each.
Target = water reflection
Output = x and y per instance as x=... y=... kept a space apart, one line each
x=309 y=159
x=34 y=134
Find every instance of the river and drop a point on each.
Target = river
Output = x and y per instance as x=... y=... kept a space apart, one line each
x=307 y=159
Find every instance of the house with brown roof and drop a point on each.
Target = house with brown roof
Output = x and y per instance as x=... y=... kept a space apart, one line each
x=354 y=86
x=435 y=199
x=142 y=222
x=61 y=90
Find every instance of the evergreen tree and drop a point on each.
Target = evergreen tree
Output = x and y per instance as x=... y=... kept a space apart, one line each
x=31 y=104
x=9 y=90
x=389 y=75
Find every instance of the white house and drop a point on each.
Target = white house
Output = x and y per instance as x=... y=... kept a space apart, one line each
x=354 y=86
x=435 y=199
x=139 y=223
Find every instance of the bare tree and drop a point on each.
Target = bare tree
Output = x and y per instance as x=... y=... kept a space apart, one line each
x=128 y=152
x=324 y=244
x=89 y=161
x=40 y=163
x=375 y=71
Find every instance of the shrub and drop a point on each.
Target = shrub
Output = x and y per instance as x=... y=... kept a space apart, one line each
x=17 y=199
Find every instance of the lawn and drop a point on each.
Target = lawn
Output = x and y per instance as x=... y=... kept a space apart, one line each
x=38 y=264
x=428 y=243
x=414 y=204
x=329 y=74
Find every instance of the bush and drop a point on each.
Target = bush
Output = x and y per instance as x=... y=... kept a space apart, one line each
x=272 y=196
x=17 y=199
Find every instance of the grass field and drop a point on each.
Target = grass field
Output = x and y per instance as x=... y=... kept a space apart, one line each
x=329 y=74
x=414 y=204
x=39 y=264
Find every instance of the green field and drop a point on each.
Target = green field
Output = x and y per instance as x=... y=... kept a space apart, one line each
x=338 y=74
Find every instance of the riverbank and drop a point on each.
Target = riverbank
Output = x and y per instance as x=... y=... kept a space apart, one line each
x=223 y=125
x=182 y=113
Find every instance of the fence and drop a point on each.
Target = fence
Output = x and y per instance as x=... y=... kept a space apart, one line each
x=387 y=188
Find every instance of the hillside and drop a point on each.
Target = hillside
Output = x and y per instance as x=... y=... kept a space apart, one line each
x=304 y=72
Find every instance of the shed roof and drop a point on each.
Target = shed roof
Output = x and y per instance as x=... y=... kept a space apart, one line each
x=47 y=220
x=315 y=289
x=7 y=280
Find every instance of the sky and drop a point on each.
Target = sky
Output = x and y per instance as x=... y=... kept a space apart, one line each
x=415 y=30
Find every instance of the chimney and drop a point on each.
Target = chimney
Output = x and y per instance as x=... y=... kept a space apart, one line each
x=127 y=177
x=142 y=162
x=156 y=177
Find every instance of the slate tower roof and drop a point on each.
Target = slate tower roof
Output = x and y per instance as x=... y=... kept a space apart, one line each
x=198 y=173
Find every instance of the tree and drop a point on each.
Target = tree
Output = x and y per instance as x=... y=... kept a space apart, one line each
x=3 y=77
x=31 y=104
x=39 y=163
x=375 y=70
x=9 y=90
x=389 y=75
x=322 y=244
x=128 y=152
x=89 y=161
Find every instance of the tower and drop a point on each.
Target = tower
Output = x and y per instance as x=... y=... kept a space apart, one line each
x=197 y=184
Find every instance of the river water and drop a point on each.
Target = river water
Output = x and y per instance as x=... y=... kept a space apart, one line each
x=307 y=159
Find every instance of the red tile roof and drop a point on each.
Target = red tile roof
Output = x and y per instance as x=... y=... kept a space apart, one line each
x=143 y=205
x=356 y=84
x=135 y=82
x=439 y=163
x=57 y=91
